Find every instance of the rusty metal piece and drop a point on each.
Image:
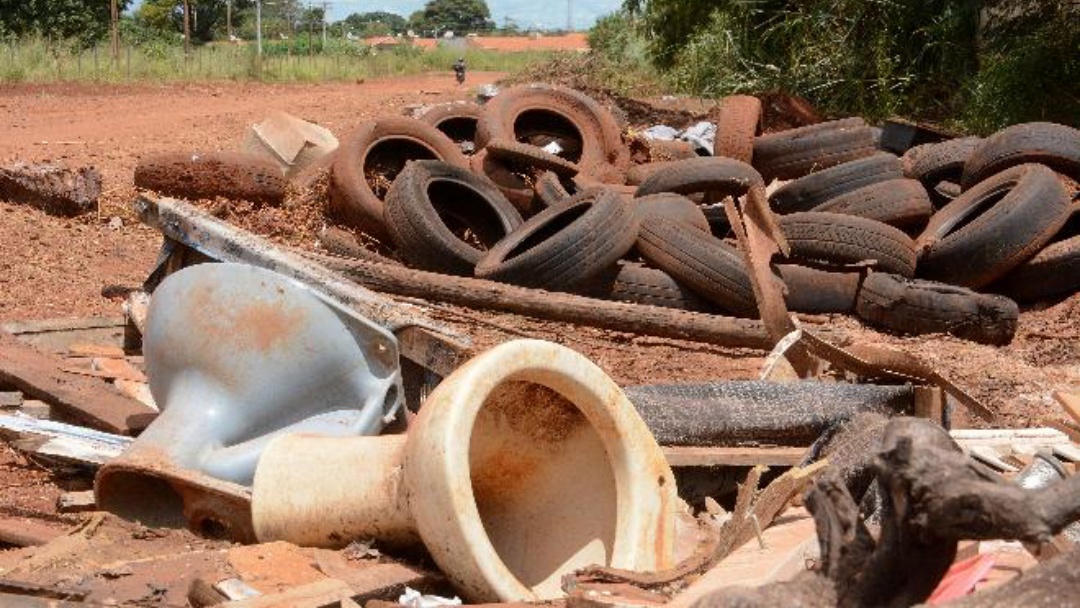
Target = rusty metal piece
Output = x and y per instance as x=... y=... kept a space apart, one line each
x=878 y=362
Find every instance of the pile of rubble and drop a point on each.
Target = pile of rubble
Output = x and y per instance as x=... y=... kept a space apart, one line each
x=291 y=401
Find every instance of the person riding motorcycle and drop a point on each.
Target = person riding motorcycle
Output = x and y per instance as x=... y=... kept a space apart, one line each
x=459 y=70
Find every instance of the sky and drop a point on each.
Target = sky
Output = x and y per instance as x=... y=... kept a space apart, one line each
x=541 y=14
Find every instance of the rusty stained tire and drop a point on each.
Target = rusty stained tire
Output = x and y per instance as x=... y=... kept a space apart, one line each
x=672 y=206
x=550 y=190
x=934 y=163
x=1053 y=272
x=195 y=175
x=538 y=113
x=901 y=203
x=737 y=123
x=837 y=239
x=383 y=146
x=809 y=191
x=717 y=176
x=433 y=207
x=1045 y=143
x=994 y=227
x=812 y=290
x=457 y=120
x=531 y=157
x=794 y=153
x=565 y=245
x=512 y=184
x=912 y=306
x=639 y=173
x=702 y=262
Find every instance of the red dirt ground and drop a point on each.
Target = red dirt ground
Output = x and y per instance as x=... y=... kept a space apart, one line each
x=54 y=267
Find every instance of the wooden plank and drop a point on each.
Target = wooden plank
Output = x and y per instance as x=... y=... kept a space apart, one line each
x=373 y=581
x=76 y=502
x=57 y=335
x=789 y=542
x=22 y=532
x=84 y=349
x=311 y=595
x=111 y=369
x=139 y=391
x=929 y=403
x=86 y=400
x=1070 y=403
x=11 y=399
x=692 y=456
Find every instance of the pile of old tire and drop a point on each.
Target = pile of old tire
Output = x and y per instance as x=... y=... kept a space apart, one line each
x=923 y=243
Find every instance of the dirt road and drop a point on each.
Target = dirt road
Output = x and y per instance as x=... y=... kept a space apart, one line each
x=56 y=268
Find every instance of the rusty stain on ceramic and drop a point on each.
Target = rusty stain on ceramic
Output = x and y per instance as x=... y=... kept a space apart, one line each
x=524 y=464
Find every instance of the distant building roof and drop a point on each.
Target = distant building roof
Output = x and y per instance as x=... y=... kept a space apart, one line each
x=574 y=41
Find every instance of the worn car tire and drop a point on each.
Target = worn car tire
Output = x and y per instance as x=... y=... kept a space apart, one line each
x=457 y=120
x=812 y=290
x=901 y=203
x=531 y=157
x=917 y=307
x=639 y=173
x=550 y=190
x=1046 y=143
x=525 y=112
x=718 y=176
x=511 y=184
x=794 y=153
x=391 y=142
x=564 y=245
x=194 y=175
x=835 y=238
x=672 y=206
x=637 y=284
x=938 y=162
x=431 y=203
x=994 y=227
x=702 y=262
x=809 y=191
x=737 y=123
x=1053 y=272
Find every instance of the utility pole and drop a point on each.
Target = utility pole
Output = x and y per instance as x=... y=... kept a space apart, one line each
x=228 y=18
x=114 y=30
x=258 y=30
x=187 y=27
x=324 y=4
x=569 y=16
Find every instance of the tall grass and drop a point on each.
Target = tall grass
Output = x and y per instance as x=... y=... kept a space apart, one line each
x=40 y=60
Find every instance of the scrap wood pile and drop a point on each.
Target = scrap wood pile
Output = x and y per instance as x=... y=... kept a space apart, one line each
x=358 y=450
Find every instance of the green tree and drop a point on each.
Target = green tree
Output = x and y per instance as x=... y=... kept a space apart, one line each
x=207 y=17
x=458 y=16
x=87 y=20
x=376 y=23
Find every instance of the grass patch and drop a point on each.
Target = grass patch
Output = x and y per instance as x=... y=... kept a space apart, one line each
x=39 y=60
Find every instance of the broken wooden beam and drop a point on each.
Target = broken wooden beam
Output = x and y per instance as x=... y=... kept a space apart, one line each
x=692 y=456
x=85 y=400
x=552 y=306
